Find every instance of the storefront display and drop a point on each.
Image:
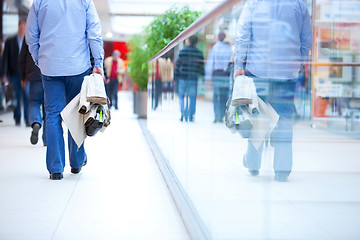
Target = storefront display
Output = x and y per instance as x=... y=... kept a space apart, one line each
x=336 y=58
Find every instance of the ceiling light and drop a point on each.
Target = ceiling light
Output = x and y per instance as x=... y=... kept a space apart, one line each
x=109 y=34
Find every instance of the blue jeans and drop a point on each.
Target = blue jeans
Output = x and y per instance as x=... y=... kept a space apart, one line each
x=2 y=96
x=36 y=100
x=20 y=93
x=220 y=97
x=112 y=88
x=188 y=90
x=58 y=92
x=280 y=95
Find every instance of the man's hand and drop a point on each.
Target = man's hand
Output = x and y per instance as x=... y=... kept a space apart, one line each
x=239 y=72
x=100 y=71
x=107 y=80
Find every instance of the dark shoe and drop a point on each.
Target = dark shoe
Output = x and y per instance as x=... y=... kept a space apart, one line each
x=281 y=178
x=254 y=172
x=56 y=176
x=34 y=138
x=77 y=170
x=27 y=124
x=182 y=118
x=17 y=123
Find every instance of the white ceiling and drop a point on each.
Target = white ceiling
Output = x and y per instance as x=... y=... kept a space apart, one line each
x=122 y=18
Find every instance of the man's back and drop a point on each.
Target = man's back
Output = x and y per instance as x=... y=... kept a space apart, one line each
x=218 y=58
x=279 y=38
x=63 y=27
x=190 y=64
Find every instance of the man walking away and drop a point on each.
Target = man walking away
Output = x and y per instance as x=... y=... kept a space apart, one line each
x=59 y=34
x=274 y=40
x=189 y=68
x=30 y=74
x=217 y=69
x=115 y=70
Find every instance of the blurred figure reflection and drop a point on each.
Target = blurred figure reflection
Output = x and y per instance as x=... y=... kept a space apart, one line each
x=189 y=67
x=217 y=69
x=274 y=39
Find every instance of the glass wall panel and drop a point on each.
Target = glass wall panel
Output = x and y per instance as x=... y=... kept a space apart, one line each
x=290 y=168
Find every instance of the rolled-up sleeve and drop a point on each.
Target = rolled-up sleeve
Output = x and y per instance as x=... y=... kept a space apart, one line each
x=93 y=30
x=33 y=33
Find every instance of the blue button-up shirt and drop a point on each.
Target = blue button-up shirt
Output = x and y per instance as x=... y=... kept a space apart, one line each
x=59 y=34
x=274 y=38
x=218 y=59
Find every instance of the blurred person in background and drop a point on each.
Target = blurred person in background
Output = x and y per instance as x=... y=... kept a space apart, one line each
x=30 y=74
x=217 y=69
x=115 y=68
x=2 y=107
x=59 y=34
x=11 y=73
x=273 y=41
x=189 y=68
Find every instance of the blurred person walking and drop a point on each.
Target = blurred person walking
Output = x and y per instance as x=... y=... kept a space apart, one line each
x=115 y=68
x=11 y=72
x=2 y=107
x=217 y=69
x=30 y=74
x=59 y=34
x=273 y=41
x=189 y=68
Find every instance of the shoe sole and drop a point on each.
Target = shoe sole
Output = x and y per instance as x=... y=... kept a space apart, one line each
x=35 y=134
x=56 y=177
x=75 y=170
x=280 y=178
x=254 y=172
x=78 y=170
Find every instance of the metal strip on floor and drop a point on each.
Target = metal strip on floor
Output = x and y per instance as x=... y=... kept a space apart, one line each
x=188 y=213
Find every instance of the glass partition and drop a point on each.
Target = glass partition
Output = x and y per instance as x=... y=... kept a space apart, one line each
x=284 y=164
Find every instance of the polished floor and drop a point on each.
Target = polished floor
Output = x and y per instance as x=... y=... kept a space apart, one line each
x=120 y=194
x=321 y=199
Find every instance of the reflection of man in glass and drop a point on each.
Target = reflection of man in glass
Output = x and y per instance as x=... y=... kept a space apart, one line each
x=217 y=65
x=274 y=38
x=189 y=67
